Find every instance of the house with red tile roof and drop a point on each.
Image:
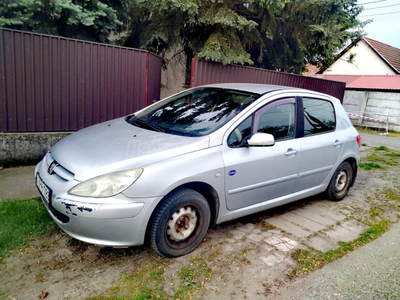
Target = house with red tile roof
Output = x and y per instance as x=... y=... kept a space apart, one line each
x=366 y=57
x=371 y=71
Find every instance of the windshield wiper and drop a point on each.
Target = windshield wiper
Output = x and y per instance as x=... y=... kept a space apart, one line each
x=139 y=123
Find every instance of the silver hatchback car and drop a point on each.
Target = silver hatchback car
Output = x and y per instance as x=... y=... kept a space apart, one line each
x=201 y=157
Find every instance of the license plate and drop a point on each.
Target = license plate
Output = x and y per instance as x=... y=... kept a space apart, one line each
x=44 y=190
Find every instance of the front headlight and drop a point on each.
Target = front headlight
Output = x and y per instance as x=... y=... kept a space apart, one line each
x=106 y=185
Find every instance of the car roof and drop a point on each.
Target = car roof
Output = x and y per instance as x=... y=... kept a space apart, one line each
x=253 y=87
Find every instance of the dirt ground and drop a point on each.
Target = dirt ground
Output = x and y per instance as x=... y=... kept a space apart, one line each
x=56 y=266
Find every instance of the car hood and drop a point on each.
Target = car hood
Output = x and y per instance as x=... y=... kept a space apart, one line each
x=116 y=145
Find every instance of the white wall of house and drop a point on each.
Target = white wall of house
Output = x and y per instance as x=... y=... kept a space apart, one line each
x=364 y=62
x=384 y=106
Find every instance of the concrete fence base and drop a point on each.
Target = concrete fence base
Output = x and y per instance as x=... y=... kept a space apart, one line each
x=26 y=148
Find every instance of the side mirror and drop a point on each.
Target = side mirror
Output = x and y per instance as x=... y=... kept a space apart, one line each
x=260 y=139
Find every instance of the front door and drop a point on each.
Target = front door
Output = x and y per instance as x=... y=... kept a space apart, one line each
x=257 y=174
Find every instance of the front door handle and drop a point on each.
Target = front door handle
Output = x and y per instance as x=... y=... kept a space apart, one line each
x=291 y=152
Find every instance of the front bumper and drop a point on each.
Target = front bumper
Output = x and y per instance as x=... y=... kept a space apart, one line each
x=116 y=221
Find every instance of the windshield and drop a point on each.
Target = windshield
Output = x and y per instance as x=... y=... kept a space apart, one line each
x=194 y=113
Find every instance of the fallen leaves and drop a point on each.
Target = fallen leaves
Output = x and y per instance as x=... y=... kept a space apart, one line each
x=43 y=295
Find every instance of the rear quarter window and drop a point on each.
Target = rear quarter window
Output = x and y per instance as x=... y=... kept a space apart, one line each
x=319 y=116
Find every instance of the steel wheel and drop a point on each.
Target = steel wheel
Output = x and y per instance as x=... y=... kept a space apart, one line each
x=180 y=223
x=340 y=182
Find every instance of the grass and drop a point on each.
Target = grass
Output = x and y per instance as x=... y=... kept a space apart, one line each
x=377 y=131
x=146 y=282
x=370 y=166
x=380 y=158
x=20 y=221
x=149 y=279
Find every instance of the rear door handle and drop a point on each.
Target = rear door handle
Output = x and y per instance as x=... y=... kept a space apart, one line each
x=337 y=143
x=291 y=152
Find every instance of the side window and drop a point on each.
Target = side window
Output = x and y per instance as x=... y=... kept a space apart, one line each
x=278 y=121
x=319 y=116
x=243 y=130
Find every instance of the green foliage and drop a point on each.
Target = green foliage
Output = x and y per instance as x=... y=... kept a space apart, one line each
x=280 y=35
x=20 y=220
x=83 y=19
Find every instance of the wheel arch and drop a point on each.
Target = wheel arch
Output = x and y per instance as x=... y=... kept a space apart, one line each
x=206 y=190
x=353 y=162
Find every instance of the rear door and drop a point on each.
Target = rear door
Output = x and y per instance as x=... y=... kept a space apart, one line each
x=321 y=144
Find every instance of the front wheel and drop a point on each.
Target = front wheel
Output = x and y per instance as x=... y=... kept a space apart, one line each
x=340 y=182
x=180 y=223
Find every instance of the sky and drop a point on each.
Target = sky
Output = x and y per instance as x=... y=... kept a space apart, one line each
x=385 y=14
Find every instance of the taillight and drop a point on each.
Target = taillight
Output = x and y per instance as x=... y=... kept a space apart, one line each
x=359 y=140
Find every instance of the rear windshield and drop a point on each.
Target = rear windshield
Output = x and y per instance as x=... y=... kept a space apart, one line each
x=194 y=113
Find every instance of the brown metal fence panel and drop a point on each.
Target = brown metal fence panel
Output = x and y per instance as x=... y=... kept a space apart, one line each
x=204 y=72
x=52 y=83
x=154 y=76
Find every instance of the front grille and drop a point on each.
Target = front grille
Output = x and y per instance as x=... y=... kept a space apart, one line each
x=53 y=167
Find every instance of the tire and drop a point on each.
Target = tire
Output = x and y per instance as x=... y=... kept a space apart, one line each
x=179 y=223
x=340 y=182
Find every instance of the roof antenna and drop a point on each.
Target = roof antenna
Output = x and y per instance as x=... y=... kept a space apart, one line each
x=301 y=83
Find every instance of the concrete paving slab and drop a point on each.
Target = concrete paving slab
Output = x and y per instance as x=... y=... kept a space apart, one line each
x=303 y=222
x=227 y=249
x=249 y=227
x=18 y=183
x=322 y=244
x=355 y=226
x=237 y=234
x=270 y=260
x=280 y=222
x=311 y=215
x=341 y=234
x=326 y=212
x=255 y=237
x=284 y=247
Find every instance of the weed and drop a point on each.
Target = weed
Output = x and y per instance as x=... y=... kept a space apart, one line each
x=370 y=166
x=392 y=194
x=393 y=154
x=194 y=276
x=382 y=148
x=187 y=275
x=376 y=211
x=265 y=226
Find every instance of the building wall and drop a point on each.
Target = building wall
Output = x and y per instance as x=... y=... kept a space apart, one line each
x=384 y=106
x=365 y=62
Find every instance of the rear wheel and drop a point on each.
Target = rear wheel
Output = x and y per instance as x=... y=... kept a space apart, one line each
x=180 y=223
x=340 y=182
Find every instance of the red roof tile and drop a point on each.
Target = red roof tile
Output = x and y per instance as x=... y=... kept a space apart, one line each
x=389 y=53
x=366 y=82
